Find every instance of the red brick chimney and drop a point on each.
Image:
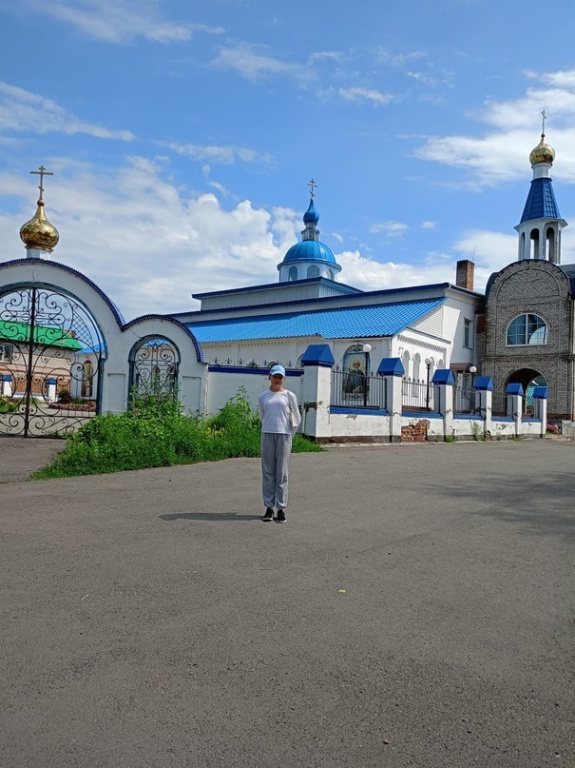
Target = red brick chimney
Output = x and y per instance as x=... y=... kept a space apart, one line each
x=464 y=274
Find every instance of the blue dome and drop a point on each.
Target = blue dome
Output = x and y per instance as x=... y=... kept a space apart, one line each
x=311 y=216
x=310 y=250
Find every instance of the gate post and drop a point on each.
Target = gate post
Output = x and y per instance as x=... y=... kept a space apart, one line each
x=51 y=389
x=484 y=390
x=7 y=384
x=317 y=362
x=540 y=400
x=445 y=380
x=391 y=368
x=514 y=394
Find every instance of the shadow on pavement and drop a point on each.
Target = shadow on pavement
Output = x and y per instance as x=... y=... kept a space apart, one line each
x=211 y=516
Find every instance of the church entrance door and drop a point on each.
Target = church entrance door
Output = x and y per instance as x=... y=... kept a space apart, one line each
x=51 y=354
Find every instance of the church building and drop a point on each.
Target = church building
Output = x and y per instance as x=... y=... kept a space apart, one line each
x=426 y=326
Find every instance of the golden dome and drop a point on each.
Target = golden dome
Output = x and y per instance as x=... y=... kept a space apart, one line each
x=542 y=153
x=38 y=232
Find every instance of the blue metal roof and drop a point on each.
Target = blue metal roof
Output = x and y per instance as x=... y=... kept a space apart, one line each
x=541 y=203
x=310 y=250
x=349 y=323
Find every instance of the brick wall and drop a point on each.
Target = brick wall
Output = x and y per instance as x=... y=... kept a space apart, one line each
x=415 y=433
x=541 y=288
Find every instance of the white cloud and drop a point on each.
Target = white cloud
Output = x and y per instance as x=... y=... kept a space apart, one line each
x=253 y=63
x=383 y=56
x=28 y=112
x=428 y=225
x=366 y=94
x=146 y=244
x=327 y=56
x=389 y=228
x=219 y=154
x=120 y=22
x=502 y=154
x=371 y=275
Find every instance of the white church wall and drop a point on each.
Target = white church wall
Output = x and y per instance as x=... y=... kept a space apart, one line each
x=413 y=349
x=354 y=426
x=456 y=313
x=224 y=383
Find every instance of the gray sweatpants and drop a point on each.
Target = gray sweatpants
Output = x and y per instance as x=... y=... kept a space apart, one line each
x=276 y=452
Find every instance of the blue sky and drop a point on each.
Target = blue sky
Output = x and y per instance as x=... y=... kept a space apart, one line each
x=182 y=136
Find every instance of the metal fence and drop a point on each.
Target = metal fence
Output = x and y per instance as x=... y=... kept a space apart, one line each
x=464 y=395
x=419 y=395
x=352 y=389
x=499 y=404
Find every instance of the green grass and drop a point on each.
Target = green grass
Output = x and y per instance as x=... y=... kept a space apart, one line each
x=155 y=433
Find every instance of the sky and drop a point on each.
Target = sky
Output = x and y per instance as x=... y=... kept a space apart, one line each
x=182 y=136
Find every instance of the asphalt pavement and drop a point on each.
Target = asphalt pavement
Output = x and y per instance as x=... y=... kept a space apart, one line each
x=417 y=610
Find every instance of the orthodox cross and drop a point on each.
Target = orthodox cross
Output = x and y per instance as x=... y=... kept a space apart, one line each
x=41 y=172
x=312 y=186
x=543 y=122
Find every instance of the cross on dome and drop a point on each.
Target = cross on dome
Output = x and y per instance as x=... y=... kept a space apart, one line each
x=41 y=172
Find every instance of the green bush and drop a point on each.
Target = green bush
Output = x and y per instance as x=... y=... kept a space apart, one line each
x=155 y=433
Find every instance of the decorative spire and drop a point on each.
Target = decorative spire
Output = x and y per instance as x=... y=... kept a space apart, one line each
x=311 y=217
x=38 y=234
x=542 y=153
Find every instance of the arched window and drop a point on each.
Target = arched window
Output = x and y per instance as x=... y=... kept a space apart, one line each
x=534 y=236
x=405 y=358
x=527 y=329
x=330 y=274
x=416 y=367
x=292 y=274
x=550 y=245
x=313 y=271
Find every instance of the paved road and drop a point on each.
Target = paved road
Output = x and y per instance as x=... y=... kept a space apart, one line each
x=416 y=610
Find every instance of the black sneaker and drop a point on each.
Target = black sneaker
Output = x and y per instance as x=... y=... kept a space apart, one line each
x=269 y=515
x=281 y=516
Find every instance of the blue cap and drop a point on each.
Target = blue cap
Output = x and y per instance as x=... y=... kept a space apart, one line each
x=278 y=369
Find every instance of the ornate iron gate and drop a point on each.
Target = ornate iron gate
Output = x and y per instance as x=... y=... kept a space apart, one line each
x=154 y=364
x=50 y=362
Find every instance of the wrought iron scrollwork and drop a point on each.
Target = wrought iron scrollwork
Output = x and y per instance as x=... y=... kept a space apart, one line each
x=50 y=361
x=154 y=369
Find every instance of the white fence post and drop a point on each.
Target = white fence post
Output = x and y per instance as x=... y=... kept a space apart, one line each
x=540 y=401
x=484 y=391
x=317 y=362
x=6 y=384
x=391 y=368
x=514 y=394
x=445 y=380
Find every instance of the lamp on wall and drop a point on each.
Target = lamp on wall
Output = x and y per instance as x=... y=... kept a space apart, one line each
x=428 y=362
x=366 y=350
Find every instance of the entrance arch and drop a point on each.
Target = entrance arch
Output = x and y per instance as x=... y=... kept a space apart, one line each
x=154 y=366
x=81 y=326
x=529 y=378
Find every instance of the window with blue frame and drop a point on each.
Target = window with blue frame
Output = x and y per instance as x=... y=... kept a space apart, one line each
x=527 y=329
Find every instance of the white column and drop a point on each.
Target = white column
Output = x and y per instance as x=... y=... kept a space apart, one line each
x=391 y=368
x=317 y=362
x=484 y=394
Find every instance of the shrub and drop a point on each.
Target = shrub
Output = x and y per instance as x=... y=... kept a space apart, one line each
x=155 y=433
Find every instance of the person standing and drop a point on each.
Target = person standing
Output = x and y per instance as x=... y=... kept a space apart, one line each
x=280 y=417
